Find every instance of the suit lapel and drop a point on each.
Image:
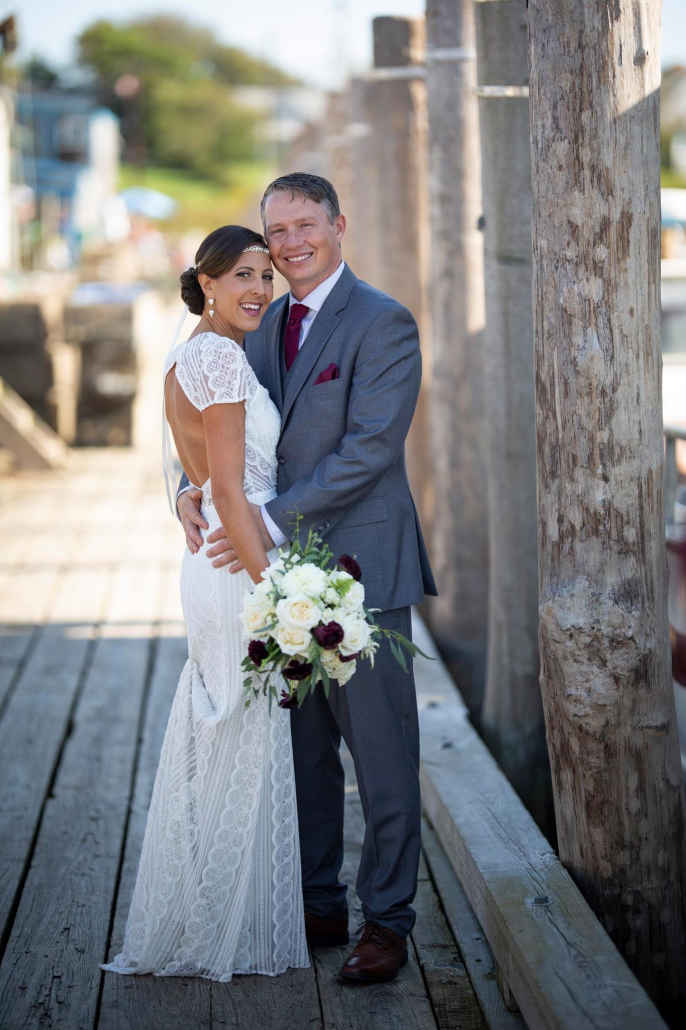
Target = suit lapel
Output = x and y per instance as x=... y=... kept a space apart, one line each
x=324 y=324
x=272 y=338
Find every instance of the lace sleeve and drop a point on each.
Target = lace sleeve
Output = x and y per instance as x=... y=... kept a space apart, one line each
x=214 y=370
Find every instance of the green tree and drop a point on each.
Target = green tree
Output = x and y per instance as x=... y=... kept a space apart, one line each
x=169 y=81
x=195 y=125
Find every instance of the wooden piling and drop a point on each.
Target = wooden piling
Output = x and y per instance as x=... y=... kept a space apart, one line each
x=512 y=717
x=398 y=121
x=459 y=614
x=605 y=663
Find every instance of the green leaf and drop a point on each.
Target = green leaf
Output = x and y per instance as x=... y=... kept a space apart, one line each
x=326 y=682
x=398 y=655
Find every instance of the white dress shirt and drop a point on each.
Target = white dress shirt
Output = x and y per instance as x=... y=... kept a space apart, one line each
x=314 y=302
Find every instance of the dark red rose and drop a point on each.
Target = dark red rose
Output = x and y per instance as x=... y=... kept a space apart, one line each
x=257 y=652
x=296 y=670
x=288 y=700
x=350 y=566
x=329 y=636
x=349 y=657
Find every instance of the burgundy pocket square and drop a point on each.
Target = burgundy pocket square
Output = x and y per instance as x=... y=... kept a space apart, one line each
x=327 y=375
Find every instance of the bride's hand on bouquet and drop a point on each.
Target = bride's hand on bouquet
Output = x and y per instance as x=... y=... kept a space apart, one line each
x=188 y=507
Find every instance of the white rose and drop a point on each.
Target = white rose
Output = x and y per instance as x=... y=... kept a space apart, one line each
x=338 y=615
x=257 y=613
x=304 y=579
x=356 y=636
x=293 y=640
x=337 y=670
x=298 y=611
x=354 y=599
x=331 y=597
x=274 y=571
x=346 y=672
x=263 y=588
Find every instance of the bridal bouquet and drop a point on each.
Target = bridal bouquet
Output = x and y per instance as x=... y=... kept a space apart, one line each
x=307 y=622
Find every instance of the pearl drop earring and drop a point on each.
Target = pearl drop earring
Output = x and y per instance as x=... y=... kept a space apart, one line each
x=210 y=301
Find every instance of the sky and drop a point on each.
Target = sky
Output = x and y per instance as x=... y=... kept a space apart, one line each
x=319 y=41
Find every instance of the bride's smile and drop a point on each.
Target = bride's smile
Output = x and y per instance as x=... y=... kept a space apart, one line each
x=237 y=299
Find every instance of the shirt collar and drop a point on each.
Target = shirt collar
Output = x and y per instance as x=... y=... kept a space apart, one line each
x=315 y=300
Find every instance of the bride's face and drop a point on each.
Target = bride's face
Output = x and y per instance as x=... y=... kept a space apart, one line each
x=243 y=294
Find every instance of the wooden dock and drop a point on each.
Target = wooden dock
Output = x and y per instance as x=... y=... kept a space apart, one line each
x=91 y=646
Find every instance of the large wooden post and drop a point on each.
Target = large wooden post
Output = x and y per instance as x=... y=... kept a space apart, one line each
x=363 y=243
x=398 y=121
x=459 y=614
x=512 y=715
x=606 y=679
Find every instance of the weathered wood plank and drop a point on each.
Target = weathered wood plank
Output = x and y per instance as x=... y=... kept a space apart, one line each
x=474 y=948
x=15 y=644
x=36 y=721
x=287 y=1002
x=402 y=1002
x=61 y=925
x=563 y=969
x=454 y=1002
x=26 y=595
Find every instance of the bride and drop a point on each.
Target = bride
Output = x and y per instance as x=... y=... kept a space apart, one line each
x=218 y=889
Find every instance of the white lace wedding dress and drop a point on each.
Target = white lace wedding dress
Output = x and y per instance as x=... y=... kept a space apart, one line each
x=218 y=890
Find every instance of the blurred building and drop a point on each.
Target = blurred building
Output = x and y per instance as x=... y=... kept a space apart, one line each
x=7 y=226
x=71 y=152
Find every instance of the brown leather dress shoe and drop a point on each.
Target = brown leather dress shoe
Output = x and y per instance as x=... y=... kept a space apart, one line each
x=325 y=933
x=379 y=955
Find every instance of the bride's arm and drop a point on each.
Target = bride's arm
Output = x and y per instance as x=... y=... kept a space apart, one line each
x=224 y=426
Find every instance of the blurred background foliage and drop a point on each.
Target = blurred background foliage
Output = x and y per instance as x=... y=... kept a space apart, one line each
x=170 y=83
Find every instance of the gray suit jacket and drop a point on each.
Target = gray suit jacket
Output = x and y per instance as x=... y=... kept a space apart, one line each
x=341 y=462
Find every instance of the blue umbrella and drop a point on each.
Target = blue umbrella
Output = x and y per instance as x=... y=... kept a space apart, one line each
x=140 y=200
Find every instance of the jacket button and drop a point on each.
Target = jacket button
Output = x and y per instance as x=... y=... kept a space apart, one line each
x=281 y=460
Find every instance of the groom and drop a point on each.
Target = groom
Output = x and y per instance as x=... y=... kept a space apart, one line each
x=341 y=361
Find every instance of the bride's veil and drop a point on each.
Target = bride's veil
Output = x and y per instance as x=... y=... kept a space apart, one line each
x=167 y=456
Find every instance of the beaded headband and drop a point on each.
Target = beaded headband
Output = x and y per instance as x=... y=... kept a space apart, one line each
x=256 y=247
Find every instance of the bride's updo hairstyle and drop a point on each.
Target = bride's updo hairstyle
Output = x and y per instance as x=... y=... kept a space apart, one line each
x=217 y=254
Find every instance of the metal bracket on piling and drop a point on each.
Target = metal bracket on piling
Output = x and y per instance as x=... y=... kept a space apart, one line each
x=405 y=71
x=519 y=92
x=438 y=54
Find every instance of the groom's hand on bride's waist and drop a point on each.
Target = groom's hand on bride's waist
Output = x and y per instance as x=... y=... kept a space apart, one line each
x=222 y=553
x=188 y=507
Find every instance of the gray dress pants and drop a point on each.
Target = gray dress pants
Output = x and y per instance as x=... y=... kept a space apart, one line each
x=376 y=714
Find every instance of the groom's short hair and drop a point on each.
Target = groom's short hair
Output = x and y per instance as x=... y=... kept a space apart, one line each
x=309 y=187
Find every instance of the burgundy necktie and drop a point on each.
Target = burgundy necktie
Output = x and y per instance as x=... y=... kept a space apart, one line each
x=292 y=337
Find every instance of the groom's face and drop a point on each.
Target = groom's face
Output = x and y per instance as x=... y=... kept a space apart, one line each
x=304 y=245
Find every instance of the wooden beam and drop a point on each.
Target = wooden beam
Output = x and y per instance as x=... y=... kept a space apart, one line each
x=560 y=964
x=32 y=442
x=474 y=948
